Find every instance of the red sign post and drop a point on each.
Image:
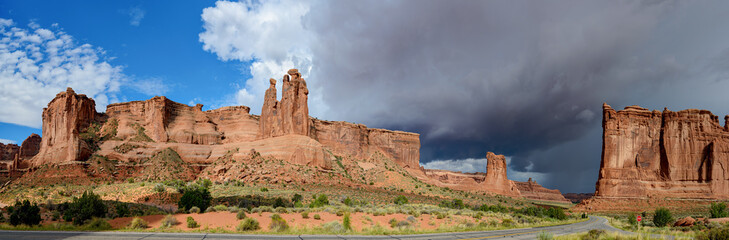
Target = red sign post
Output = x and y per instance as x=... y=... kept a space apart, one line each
x=638 y=218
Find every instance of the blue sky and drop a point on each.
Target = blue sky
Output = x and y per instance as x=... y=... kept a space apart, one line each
x=152 y=41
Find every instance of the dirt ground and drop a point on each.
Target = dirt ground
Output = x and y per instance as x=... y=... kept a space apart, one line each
x=228 y=221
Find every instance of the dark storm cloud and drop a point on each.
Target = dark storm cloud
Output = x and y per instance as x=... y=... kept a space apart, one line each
x=522 y=78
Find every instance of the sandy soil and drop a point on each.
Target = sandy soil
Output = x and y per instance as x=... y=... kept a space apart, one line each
x=228 y=221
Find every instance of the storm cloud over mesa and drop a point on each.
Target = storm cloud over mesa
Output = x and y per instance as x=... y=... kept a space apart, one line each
x=523 y=79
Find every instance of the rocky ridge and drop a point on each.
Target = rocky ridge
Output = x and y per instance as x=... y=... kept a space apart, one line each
x=223 y=143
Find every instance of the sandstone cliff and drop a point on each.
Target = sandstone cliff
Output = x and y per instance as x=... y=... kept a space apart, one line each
x=682 y=154
x=532 y=190
x=64 y=118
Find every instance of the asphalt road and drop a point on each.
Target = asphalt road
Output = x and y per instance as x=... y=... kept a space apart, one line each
x=523 y=233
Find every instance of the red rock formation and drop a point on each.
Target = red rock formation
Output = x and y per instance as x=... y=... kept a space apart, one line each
x=30 y=146
x=291 y=114
x=64 y=118
x=532 y=190
x=493 y=181
x=8 y=152
x=682 y=154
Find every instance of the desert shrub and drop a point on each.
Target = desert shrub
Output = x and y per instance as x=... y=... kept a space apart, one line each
x=85 y=208
x=138 y=223
x=221 y=208
x=718 y=210
x=319 y=201
x=210 y=209
x=160 y=188
x=400 y=200
x=346 y=222
x=279 y=202
x=556 y=213
x=169 y=221
x=333 y=227
x=305 y=215
x=297 y=198
x=393 y=222
x=545 y=236
x=197 y=197
x=507 y=222
x=348 y=201
x=719 y=233
x=411 y=219
x=632 y=220
x=191 y=223
x=249 y=224
x=194 y=209
x=455 y=204
x=122 y=210
x=317 y=217
x=662 y=217
x=97 y=224
x=24 y=213
x=440 y=215
x=263 y=189
x=281 y=210
x=593 y=234
x=240 y=215
x=278 y=224
x=478 y=215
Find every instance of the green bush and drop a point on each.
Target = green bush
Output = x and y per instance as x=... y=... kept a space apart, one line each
x=24 y=213
x=197 y=197
x=297 y=198
x=348 y=201
x=319 y=201
x=507 y=222
x=632 y=220
x=240 y=215
x=97 y=224
x=249 y=224
x=317 y=217
x=194 y=209
x=718 y=210
x=545 y=236
x=556 y=213
x=455 y=204
x=593 y=234
x=85 y=208
x=278 y=224
x=191 y=223
x=220 y=208
x=721 y=233
x=122 y=210
x=264 y=189
x=138 y=223
x=279 y=202
x=393 y=222
x=346 y=222
x=305 y=215
x=662 y=217
x=400 y=200
x=160 y=188
x=333 y=227
x=169 y=221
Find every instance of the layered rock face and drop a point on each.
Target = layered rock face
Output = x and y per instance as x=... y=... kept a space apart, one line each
x=532 y=190
x=8 y=156
x=30 y=146
x=494 y=180
x=682 y=154
x=14 y=157
x=64 y=118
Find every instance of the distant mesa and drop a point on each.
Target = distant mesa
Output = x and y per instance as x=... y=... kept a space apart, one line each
x=152 y=136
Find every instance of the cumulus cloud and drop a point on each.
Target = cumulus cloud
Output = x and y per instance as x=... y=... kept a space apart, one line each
x=6 y=141
x=37 y=63
x=520 y=78
x=268 y=33
x=153 y=86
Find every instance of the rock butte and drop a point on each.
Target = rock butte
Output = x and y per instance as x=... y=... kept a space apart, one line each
x=135 y=131
x=653 y=154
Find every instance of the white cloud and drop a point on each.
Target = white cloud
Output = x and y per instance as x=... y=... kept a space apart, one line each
x=38 y=63
x=136 y=14
x=272 y=35
x=6 y=141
